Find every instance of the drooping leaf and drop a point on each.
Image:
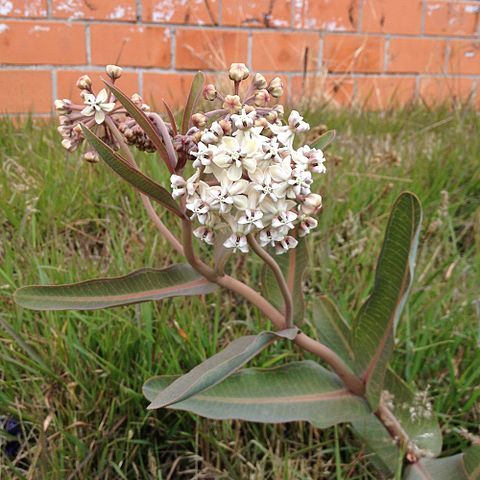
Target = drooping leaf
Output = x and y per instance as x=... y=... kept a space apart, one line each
x=471 y=462
x=140 y=286
x=293 y=264
x=131 y=174
x=218 y=367
x=193 y=96
x=324 y=140
x=374 y=327
x=171 y=117
x=332 y=329
x=144 y=122
x=448 y=468
x=296 y=391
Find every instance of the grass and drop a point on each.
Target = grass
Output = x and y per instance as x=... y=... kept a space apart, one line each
x=74 y=379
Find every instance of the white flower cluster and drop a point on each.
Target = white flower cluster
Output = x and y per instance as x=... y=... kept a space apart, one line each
x=250 y=183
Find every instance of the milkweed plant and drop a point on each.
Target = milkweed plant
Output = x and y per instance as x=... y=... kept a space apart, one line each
x=241 y=181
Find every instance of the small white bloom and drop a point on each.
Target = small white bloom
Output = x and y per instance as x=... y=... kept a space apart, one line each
x=178 y=184
x=234 y=156
x=270 y=236
x=263 y=183
x=285 y=244
x=296 y=122
x=237 y=242
x=284 y=219
x=213 y=134
x=315 y=159
x=244 y=120
x=227 y=194
x=300 y=183
x=307 y=224
x=203 y=155
x=199 y=209
x=97 y=105
x=251 y=219
x=205 y=234
x=273 y=151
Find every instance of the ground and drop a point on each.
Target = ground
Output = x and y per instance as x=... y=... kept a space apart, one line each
x=73 y=380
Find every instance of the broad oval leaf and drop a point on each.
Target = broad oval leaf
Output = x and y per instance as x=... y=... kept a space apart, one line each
x=296 y=391
x=131 y=174
x=218 y=367
x=193 y=96
x=374 y=327
x=448 y=468
x=324 y=140
x=144 y=122
x=140 y=286
x=471 y=462
x=332 y=329
x=293 y=266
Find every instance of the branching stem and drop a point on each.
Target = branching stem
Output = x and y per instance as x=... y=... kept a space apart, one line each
x=277 y=271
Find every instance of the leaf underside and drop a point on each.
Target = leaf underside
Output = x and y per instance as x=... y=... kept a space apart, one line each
x=324 y=140
x=139 y=286
x=193 y=96
x=471 y=461
x=448 y=468
x=131 y=174
x=374 y=327
x=293 y=265
x=296 y=391
x=218 y=367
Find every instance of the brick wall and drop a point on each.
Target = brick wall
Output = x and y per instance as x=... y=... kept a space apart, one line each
x=375 y=53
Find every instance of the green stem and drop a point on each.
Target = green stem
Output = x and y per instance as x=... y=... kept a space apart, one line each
x=277 y=271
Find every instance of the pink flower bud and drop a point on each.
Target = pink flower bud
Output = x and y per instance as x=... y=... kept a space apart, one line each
x=311 y=204
x=63 y=106
x=209 y=92
x=91 y=157
x=259 y=82
x=232 y=103
x=84 y=83
x=271 y=116
x=113 y=71
x=238 y=72
x=199 y=120
x=226 y=126
x=276 y=87
x=262 y=97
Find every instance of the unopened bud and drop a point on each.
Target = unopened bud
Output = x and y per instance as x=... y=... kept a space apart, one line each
x=78 y=129
x=262 y=97
x=248 y=108
x=84 y=83
x=232 y=103
x=238 y=72
x=199 y=120
x=261 y=122
x=226 y=126
x=63 y=106
x=271 y=116
x=209 y=92
x=275 y=87
x=91 y=157
x=113 y=71
x=259 y=81
x=68 y=145
x=137 y=99
x=312 y=203
x=280 y=110
x=196 y=137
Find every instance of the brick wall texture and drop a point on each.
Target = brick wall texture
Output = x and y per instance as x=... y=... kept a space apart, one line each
x=372 y=53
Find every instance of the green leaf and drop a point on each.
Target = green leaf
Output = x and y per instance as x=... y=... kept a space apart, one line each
x=193 y=96
x=131 y=174
x=296 y=391
x=374 y=327
x=471 y=461
x=332 y=329
x=144 y=122
x=448 y=468
x=293 y=266
x=218 y=367
x=324 y=140
x=140 y=286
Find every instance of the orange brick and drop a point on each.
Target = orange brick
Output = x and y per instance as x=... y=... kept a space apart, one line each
x=437 y=90
x=262 y=13
x=416 y=55
x=332 y=15
x=118 y=10
x=212 y=49
x=451 y=17
x=392 y=16
x=342 y=53
x=23 y=8
x=464 y=57
x=42 y=42
x=33 y=91
x=66 y=80
x=189 y=12
x=145 y=46
x=333 y=90
x=285 y=51
x=379 y=93
x=173 y=87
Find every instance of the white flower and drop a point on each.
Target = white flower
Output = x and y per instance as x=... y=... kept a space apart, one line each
x=307 y=224
x=179 y=186
x=244 y=121
x=213 y=134
x=270 y=236
x=199 y=209
x=315 y=159
x=296 y=122
x=285 y=244
x=204 y=154
x=272 y=150
x=299 y=182
x=286 y=133
x=264 y=184
x=284 y=219
x=228 y=193
x=237 y=242
x=251 y=219
x=97 y=105
x=234 y=156
x=205 y=234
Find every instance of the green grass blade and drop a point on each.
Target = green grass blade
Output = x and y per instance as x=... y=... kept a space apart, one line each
x=218 y=367
x=296 y=391
x=140 y=286
x=131 y=174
